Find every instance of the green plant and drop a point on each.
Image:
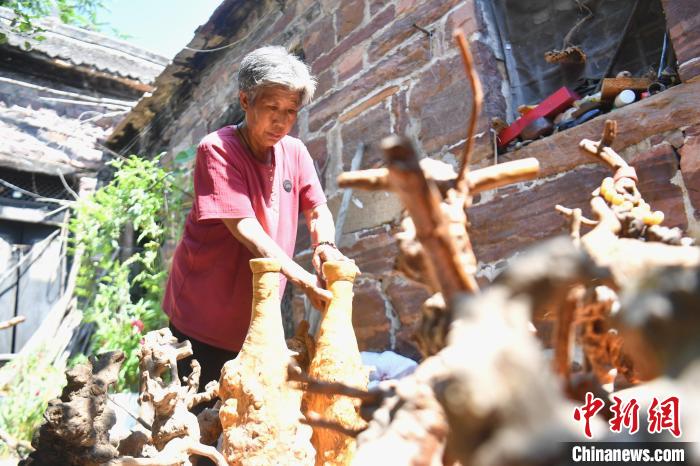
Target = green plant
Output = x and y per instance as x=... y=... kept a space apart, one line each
x=81 y=13
x=121 y=293
x=34 y=381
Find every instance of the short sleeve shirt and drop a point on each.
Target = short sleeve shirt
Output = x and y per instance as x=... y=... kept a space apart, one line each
x=208 y=295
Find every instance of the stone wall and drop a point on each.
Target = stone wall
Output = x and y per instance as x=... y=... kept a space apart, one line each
x=380 y=74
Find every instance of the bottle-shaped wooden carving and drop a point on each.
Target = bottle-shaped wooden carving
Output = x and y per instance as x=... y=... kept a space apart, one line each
x=260 y=413
x=337 y=359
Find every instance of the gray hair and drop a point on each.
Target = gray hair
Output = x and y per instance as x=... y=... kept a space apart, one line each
x=273 y=65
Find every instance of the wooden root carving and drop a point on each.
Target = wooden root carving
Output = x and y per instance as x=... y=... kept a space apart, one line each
x=260 y=412
x=337 y=359
x=76 y=426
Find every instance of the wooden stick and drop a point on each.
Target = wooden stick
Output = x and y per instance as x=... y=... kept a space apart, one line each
x=295 y=374
x=422 y=200
x=569 y=212
x=12 y=322
x=480 y=180
x=477 y=99
x=613 y=86
x=562 y=335
x=502 y=174
x=607 y=218
x=606 y=155
x=373 y=179
x=314 y=420
x=609 y=135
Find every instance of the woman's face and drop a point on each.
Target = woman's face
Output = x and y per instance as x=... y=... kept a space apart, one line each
x=271 y=115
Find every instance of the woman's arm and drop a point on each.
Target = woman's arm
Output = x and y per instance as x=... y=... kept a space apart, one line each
x=321 y=226
x=252 y=235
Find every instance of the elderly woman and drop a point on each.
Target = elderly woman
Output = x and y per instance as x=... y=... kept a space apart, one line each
x=251 y=181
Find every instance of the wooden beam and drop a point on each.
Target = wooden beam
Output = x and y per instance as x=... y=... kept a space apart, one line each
x=674 y=108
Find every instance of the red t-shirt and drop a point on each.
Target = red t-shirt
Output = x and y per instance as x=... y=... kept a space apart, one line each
x=209 y=291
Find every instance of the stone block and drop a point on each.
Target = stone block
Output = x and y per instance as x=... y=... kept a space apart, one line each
x=655 y=169
x=325 y=82
x=368 y=128
x=441 y=101
x=690 y=167
x=318 y=149
x=521 y=215
x=401 y=63
x=374 y=251
x=406 y=297
x=348 y=17
x=319 y=38
x=420 y=13
x=463 y=18
x=350 y=64
x=683 y=22
x=369 y=318
x=515 y=219
x=368 y=209
x=377 y=22
x=377 y=5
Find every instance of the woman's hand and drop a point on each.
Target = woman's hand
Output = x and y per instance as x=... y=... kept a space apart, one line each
x=323 y=253
x=313 y=288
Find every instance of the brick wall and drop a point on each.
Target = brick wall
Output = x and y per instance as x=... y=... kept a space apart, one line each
x=379 y=74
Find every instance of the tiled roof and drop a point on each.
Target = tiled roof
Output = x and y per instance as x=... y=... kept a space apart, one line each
x=80 y=47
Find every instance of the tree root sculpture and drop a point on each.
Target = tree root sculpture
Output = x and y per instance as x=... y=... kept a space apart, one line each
x=260 y=411
x=491 y=383
x=628 y=238
x=175 y=432
x=337 y=359
x=76 y=426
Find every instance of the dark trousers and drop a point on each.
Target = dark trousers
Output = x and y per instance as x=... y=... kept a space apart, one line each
x=210 y=358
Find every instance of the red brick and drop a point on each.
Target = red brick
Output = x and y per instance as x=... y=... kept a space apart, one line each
x=369 y=317
x=683 y=21
x=399 y=64
x=399 y=107
x=348 y=17
x=407 y=297
x=350 y=64
x=511 y=223
x=288 y=15
x=655 y=168
x=690 y=167
x=376 y=5
x=319 y=39
x=421 y=13
x=369 y=128
x=374 y=253
x=325 y=82
x=441 y=100
x=359 y=35
x=464 y=19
